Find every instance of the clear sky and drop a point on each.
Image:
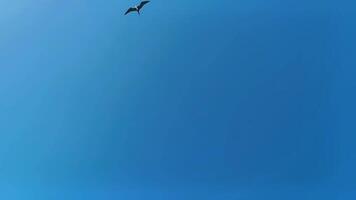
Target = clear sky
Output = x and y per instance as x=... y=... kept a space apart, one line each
x=191 y=100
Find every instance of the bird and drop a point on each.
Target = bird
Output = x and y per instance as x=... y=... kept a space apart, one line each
x=137 y=8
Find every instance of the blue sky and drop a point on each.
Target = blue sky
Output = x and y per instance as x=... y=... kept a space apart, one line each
x=191 y=100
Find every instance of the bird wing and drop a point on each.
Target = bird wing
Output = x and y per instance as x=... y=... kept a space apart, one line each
x=142 y=4
x=130 y=10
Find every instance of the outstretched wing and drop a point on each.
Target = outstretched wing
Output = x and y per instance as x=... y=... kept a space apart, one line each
x=142 y=4
x=130 y=10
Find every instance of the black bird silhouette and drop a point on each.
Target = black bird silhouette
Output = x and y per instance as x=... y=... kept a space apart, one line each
x=136 y=8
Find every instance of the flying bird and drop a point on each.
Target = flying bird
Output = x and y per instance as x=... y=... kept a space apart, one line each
x=136 y=8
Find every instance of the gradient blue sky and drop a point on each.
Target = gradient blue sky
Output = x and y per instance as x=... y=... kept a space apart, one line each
x=191 y=100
